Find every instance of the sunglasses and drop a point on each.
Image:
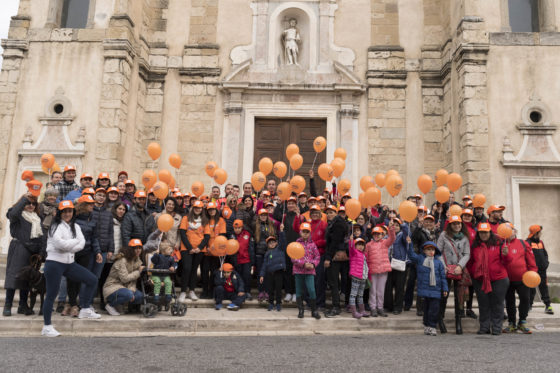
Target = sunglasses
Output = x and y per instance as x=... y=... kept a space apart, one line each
x=32 y=204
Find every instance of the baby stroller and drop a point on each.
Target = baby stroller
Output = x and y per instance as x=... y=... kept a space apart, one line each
x=148 y=307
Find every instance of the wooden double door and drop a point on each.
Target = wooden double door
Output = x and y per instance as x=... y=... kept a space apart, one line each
x=272 y=136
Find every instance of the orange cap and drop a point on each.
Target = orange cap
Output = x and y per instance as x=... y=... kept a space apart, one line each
x=178 y=195
x=100 y=190
x=484 y=227
x=237 y=223
x=140 y=194
x=332 y=208
x=302 y=194
x=198 y=204
x=430 y=217
x=321 y=198
x=493 y=208
x=27 y=175
x=129 y=181
x=266 y=193
x=135 y=242
x=292 y=199
x=534 y=229
x=418 y=196
x=315 y=208
x=63 y=205
x=342 y=208
x=345 y=195
x=466 y=196
x=467 y=212
x=226 y=267
x=113 y=189
x=422 y=208
x=455 y=219
x=305 y=227
x=263 y=211
x=103 y=175
x=89 y=191
x=69 y=168
x=311 y=199
x=378 y=230
x=86 y=198
x=86 y=176
x=211 y=205
x=398 y=220
x=204 y=197
x=34 y=187
x=270 y=238
x=359 y=240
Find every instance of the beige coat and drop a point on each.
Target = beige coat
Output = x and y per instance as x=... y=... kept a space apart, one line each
x=123 y=275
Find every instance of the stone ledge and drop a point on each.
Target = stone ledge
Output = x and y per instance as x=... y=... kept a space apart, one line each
x=525 y=38
x=383 y=48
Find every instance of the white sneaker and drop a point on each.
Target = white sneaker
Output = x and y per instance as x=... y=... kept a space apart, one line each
x=49 y=331
x=111 y=310
x=294 y=298
x=288 y=297
x=88 y=313
x=427 y=330
x=192 y=295
x=182 y=297
x=433 y=331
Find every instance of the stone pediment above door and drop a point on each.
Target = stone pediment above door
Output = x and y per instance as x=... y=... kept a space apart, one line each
x=293 y=42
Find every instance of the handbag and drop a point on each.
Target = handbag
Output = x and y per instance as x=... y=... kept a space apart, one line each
x=398 y=265
x=451 y=267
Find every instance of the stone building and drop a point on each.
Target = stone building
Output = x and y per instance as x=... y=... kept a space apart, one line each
x=414 y=85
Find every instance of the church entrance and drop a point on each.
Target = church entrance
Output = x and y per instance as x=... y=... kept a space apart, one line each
x=272 y=136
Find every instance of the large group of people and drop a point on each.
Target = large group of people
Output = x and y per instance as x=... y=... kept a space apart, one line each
x=94 y=237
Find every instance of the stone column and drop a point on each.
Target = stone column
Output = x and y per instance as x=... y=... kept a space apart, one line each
x=232 y=139
x=385 y=22
x=547 y=16
x=348 y=115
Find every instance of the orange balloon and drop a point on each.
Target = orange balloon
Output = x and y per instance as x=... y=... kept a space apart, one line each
x=165 y=176
x=56 y=167
x=353 y=208
x=454 y=181
x=258 y=180
x=47 y=160
x=479 y=200
x=372 y=196
x=232 y=246
x=149 y=178
x=425 y=183
x=220 y=176
x=455 y=210
x=210 y=167
x=504 y=231
x=220 y=246
x=325 y=172
x=441 y=177
x=344 y=186
x=284 y=191
x=291 y=150
x=197 y=188
x=338 y=166
x=391 y=173
x=394 y=185
x=531 y=279
x=171 y=183
x=340 y=153
x=319 y=144
x=165 y=222
x=265 y=165
x=154 y=150
x=380 y=180
x=442 y=194
x=366 y=182
x=175 y=160
x=296 y=162
x=362 y=199
x=297 y=183
x=280 y=169
x=408 y=210
x=161 y=190
x=295 y=250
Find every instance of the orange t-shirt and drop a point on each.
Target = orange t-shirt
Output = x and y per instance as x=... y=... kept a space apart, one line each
x=215 y=230
x=195 y=235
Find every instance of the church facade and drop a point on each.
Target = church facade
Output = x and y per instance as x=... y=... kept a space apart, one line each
x=413 y=85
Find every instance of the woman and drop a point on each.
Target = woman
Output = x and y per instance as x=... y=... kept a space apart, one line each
x=47 y=208
x=120 y=286
x=230 y=214
x=171 y=236
x=487 y=267
x=105 y=235
x=65 y=238
x=455 y=251
x=103 y=181
x=468 y=222
x=263 y=228
x=27 y=233
x=336 y=257
x=246 y=213
x=112 y=198
x=86 y=257
x=124 y=194
x=211 y=263
x=195 y=234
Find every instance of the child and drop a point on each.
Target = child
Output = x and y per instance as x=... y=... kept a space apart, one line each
x=304 y=271
x=396 y=279
x=541 y=259
x=228 y=285
x=359 y=275
x=245 y=255
x=377 y=254
x=432 y=282
x=274 y=266
x=163 y=260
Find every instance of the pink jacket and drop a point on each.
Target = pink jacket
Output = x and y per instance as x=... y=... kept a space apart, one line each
x=356 y=260
x=311 y=256
x=377 y=254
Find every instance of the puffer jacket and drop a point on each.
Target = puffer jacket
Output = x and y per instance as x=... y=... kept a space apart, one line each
x=247 y=216
x=377 y=254
x=62 y=246
x=337 y=229
x=521 y=260
x=265 y=232
x=357 y=259
x=133 y=226
x=311 y=255
x=420 y=236
x=399 y=250
x=275 y=259
x=220 y=280
x=88 y=225
x=462 y=246
x=318 y=231
x=423 y=274
x=104 y=221
x=123 y=274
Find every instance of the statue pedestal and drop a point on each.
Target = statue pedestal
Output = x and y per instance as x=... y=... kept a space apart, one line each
x=291 y=74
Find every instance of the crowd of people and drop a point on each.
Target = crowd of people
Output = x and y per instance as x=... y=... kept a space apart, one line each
x=94 y=236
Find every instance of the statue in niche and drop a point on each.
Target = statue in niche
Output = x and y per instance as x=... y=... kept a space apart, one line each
x=291 y=40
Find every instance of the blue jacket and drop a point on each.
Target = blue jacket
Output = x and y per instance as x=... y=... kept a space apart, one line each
x=423 y=273
x=88 y=225
x=162 y=261
x=399 y=249
x=220 y=280
x=74 y=195
x=275 y=259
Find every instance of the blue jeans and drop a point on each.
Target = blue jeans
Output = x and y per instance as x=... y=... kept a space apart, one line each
x=124 y=295
x=74 y=272
x=244 y=271
x=96 y=269
x=305 y=282
x=63 y=291
x=220 y=294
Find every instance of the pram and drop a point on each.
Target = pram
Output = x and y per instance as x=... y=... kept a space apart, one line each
x=148 y=307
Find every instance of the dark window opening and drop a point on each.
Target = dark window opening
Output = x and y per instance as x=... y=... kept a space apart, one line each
x=75 y=13
x=524 y=15
x=535 y=116
x=58 y=108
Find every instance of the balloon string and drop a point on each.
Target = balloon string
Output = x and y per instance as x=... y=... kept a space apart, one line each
x=314 y=159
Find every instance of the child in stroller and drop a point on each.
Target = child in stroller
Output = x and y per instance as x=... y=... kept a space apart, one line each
x=163 y=260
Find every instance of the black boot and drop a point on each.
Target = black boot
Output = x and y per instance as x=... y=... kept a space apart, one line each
x=25 y=310
x=314 y=312
x=301 y=309
x=7 y=310
x=441 y=322
x=458 y=326
x=442 y=327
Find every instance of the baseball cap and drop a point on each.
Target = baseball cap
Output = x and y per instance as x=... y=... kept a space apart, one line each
x=467 y=212
x=27 y=175
x=484 y=227
x=305 y=227
x=315 y=207
x=128 y=182
x=266 y=193
x=454 y=219
x=63 y=205
x=359 y=240
x=113 y=189
x=226 y=267
x=378 y=230
x=398 y=220
x=134 y=242
x=534 y=229
x=140 y=194
x=103 y=175
x=430 y=217
x=211 y=205
x=100 y=190
x=292 y=199
x=123 y=173
x=238 y=223
x=197 y=204
x=422 y=208
x=34 y=187
x=466 y=196
x=493 y=208
x=271 y=238
x=178 y=195
x=69 y=168
x=89 y=191
x=302 y=194
x=86 y=176
x=263 y=211
x=86 y=198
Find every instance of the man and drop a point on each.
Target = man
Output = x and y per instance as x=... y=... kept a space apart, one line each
x=479 y=216
x=86 y=181
x=67 y=184
x=122 y=177
x=248 y=189
x=495 y=217
x=56 y=177
x=235 y=191
x=215 y=194
x=336 y=256
x=302 y=203
x=290 y=39
x=133 y=225
x=228 y=189
x=271 y=187
x=104 y=224
x=541 y=259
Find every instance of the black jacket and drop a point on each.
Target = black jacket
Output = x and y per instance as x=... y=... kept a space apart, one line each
x=88 y=225
x=104 y=221
x=541 y=256
x=133 y=226
x=420 y=236
x=337 y=230
x=162 y=261
x=220 y=280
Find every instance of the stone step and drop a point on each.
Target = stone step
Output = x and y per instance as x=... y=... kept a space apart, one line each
x=247 y=321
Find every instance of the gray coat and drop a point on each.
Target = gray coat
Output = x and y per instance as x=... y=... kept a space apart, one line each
x=462 y=247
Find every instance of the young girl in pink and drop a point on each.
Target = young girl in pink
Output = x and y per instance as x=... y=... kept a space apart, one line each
x=358 y=275
x=377 y=256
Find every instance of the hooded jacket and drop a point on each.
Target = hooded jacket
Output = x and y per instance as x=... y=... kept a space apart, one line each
x=220 y=280
x=104 y=221
x=487 y=264
x=423 y=273
x=275 y=259
x=61 y=245
x=357 y=259
x=377 y=254
x=318 y=230
x=133 y=225
x=311 y=256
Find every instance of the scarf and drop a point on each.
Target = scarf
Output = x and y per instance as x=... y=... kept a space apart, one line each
x=458 y=236
x=195 y=224
x=429 y=262
x=483 y=267
x=35 y=221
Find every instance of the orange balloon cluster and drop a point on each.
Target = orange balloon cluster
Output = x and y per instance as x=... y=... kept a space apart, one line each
x=165 y=176
x=210 y=167
x=291 y=150
x=197 y=188
x=219 y=247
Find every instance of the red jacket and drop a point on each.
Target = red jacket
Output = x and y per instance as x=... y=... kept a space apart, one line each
x=487 y=264
x=521 y=260
x=243 y=255
x=472 y=232
x=318 y=230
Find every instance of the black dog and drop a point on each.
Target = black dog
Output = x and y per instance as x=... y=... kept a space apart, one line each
x=35 y=280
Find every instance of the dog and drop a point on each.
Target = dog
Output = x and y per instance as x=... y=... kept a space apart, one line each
x=35 y=280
